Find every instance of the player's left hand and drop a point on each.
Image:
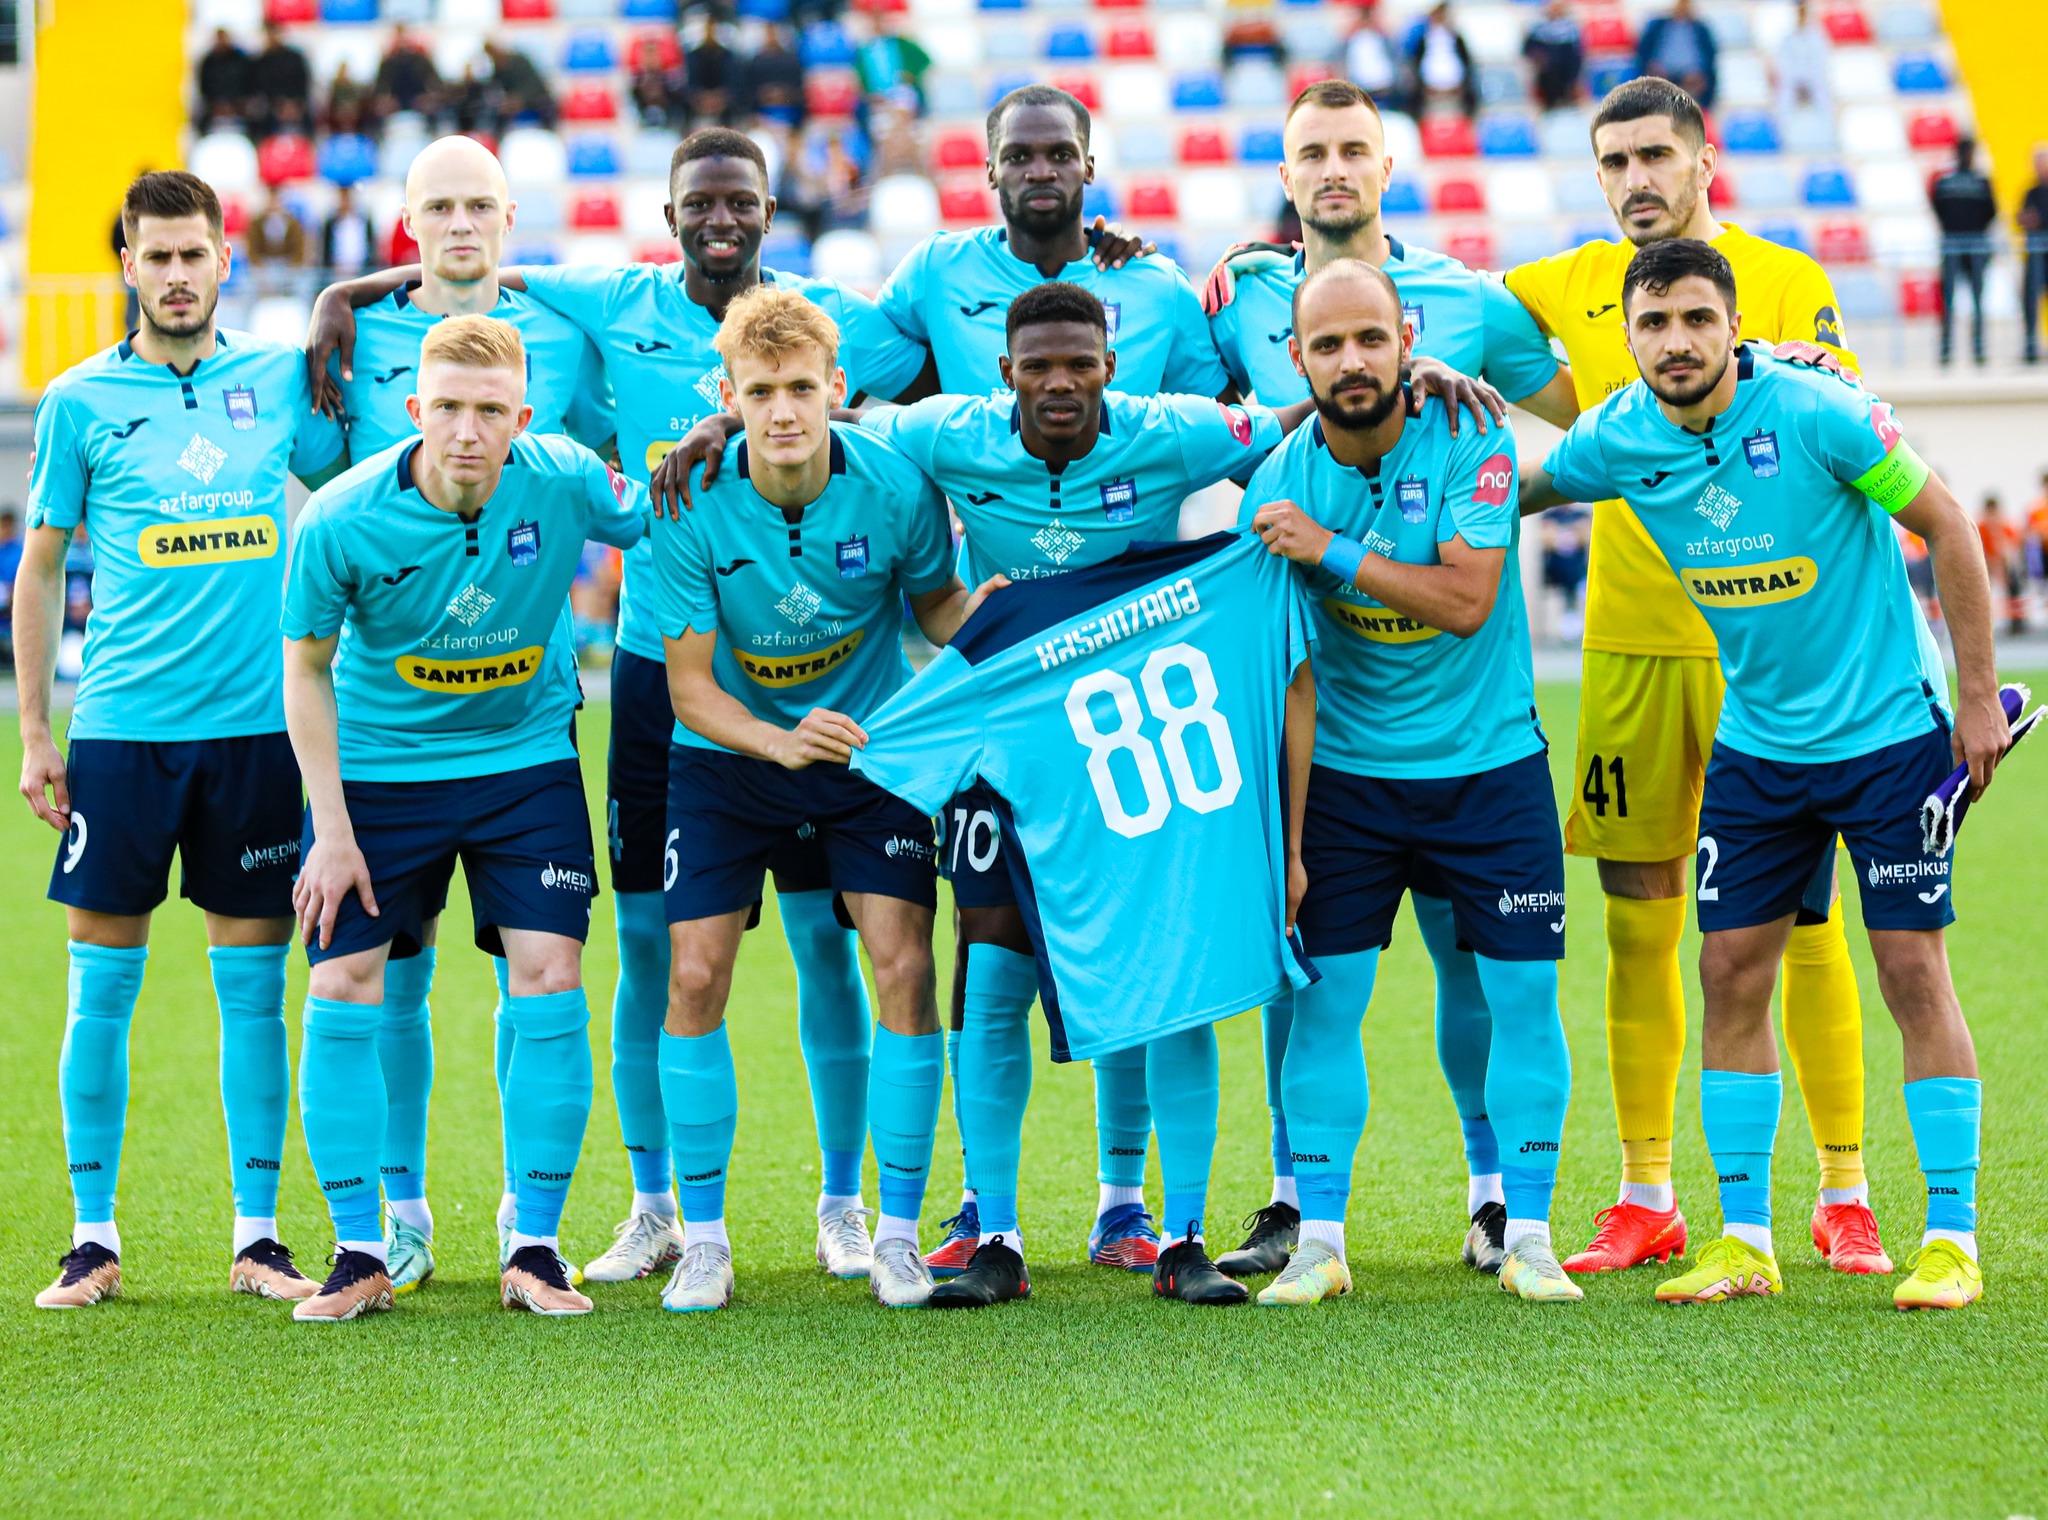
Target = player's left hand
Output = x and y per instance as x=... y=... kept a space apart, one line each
x=1115 y=247
x=981 y=594
x=1289 y=531
x=1982 y=736
x=1433 y=377
x=1813 y=355
x=331 y=870
x=1297 y=885
x=669 y=485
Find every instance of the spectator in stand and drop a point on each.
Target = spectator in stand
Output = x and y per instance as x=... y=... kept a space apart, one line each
x=348 y=102
x=772 y=81
x=407 y=79
x=656 y=93
x=275 y=245
x=281 y=84
x=1966 y=209
x=1369 y=59
x=2003 y=561
x=225 y=83
x=711 y=78
x=523 y=96
x=1437 y=66
x=2037 y=535
x=10 y=561
x=2033 y=227
x=1250 y=32
x=348 y=241
x=827 y=173
x=1800 y=64
x=891 y=66
x=1556 y=54
x=1681 y=48
x=475 y=102
x=896 y=148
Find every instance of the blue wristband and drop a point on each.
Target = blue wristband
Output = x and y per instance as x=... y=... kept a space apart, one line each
x=1343 y=558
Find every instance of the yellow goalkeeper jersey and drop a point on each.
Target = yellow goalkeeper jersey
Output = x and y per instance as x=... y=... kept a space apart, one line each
x=1633 y=601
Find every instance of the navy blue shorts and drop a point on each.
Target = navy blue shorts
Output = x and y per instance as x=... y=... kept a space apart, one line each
x=523 y=838
x=1767 y=833
x=971 y=851
x=729 y=815
x=228 y=808
x=1489 y=843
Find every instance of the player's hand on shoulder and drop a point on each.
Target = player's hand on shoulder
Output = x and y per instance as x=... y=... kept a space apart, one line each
x=1114 y=247
x=1982 y=735
x=669 y=486
x=332 y=330
x=1458 y=392
x=1289 y=531
x=1814 y=356
x=822 y=735
x=42 y=770
x=1239 y=261
x=332 y=869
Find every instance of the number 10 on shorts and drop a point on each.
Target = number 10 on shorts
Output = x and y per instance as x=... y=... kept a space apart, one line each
x=1125 y=738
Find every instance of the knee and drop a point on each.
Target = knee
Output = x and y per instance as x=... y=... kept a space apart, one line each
x=349 y=979
x=902 y=970
x=1733 y=976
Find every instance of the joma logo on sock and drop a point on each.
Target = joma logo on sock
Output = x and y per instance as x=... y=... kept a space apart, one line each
x=262 y=1164
x=1127 y=1150
x=711 y=1176
x=1944 y=1192
x=1734 y=1177
x=395 y=1171
x=84 y=1166
x=339 y=1183
x=549 y=1176
x=1850 y=1150
x=1313 y=1158
x=1530 y=1146
x=908 y=1171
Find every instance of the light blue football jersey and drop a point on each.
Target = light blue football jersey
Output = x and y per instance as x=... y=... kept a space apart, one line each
x=952 y=292
x=1024 y=520
x=1468 y=320
x=808 y=613
x=179 y=482
x=1799 y=575
x=664 y=374
x=1130 y=717
x=1397 y=697
x=444 y=623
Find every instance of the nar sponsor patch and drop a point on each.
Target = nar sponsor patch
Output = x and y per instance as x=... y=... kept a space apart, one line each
x=1882 y=424
x=1239 y=422
x=1496 y=480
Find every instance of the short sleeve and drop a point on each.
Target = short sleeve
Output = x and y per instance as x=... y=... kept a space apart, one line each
x=927 y=543
x=684 y=601
x=1268 y=484
x=582 y=293
x=913 y=431
x=902 y=296
x=879 y=359
x=615 y=509
x=1532 y=284
x=317 y=439
x=60 y=474
x=1481 y=503
x=590 y=417
x=1852 y=430
x=1223 y=333
x=1217 y=441
x=1193 y=364
x=1517 y=359
x=1809 y=310
x=319 y=583
x=1577 y=466
x=926 y=742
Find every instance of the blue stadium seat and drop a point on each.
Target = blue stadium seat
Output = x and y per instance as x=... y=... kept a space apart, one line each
x=1507 y=137
x=1069 y=42
x=1143 y=145
x=1004 y=5
x=949 y=94
x=1767 y=187
x=1403 y=198
x=565 y=10
x=1527 y=243
x=1006 y=81
x=1750 y=132
x=826 y=45
x=1579 y=194
x=1262 y=145
x=1809 y=132
x=1564 y=134
x=1789 y=233
x=533 y=253
x=786 y=251
x=540 y=210
x=1255 y=84
x=764 y=10
x=1500 y=84
x=593 y=156
x=1590 y=232
x=648 y=10
x=1604 y=74
x=1864 y=295
x=1098 y=200
x=1919 y=74
x=1906 y=23
x=348 y=158
x=336 y=11
x=588 y=53
x=647 y=155
x=1828 y=186
x=1198 y=92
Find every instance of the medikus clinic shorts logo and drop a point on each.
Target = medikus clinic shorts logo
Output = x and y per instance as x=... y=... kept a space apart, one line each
x=257 y=857
x=552 y=876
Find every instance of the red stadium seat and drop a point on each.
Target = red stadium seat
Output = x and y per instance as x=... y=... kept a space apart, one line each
x=1082 y=87
x=1931 y=130
x=589 y=102
x=291 y=12
x=1920 y=295
x=1128 y=39
x=1460 y=194
x=1448 y=137
x=668 y=52
x=965 y=200
x=959 y=150
x=833 y=94
x=1150 y=198
x=1121 y=5
x=1302 y=75
x=1841 y=242
x=1203 y=145
x=1473 y=248
x=877 y=7
x=286 y=156
x=1846 y=25
x=234 y=216
x=663 y=252
x=1606 y=32
x=529 y=10
x=1721 y=193
x=596 y=211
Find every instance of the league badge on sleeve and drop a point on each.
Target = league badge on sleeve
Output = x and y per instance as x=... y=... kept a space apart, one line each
x=1412 y=496
x=241 y=404
x=1112 y=317
x=1120 y=500
x=853 y=558
x=522 y=542
x=1412 y=316
x=1761 y=450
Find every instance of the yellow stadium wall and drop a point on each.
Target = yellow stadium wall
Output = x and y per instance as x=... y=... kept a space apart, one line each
x=1999 y=47
x=109 y=102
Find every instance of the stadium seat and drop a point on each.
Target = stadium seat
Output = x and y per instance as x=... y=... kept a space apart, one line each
x=1013 y=44
x=1527 y=243
x=786 y=249
x=831 y=94
x=1472 y=247
x=1919 y=74
x=763 y=10
x=1750 y=132
x=1309 y=35
x=226 y=161
x=1198 y=92
x=1500 y=84
x=657 y=251
x=1920 y=295
x=1069 y=42
x=948 y=94
x=1827 y=186
x=1189 y=41
x=540 y=210
x=287 y=156
x=1730 y=26
x=644 y=203
x=1767 y=187
x=824 y=45
x=1128 y=40
x=1459 y=193
x=589 y=53
x=593 y=155
x=1120 y=5
x=1893 y=185
x=1859 y=73
x=1905 y=242
x=1603 y=74
x=1845 y=25
x=292 y=12
x=1262 y=145
x=1003 y=5
x=1808 y=132
x=590 y=102
x=1579 y=193
x=1931 y=130
x=1203 y=145
x=596 y=211
x=1872 y=132
x=954 y=47
x=648 y=152
x=1788 y=233
x=1403 y=197
x=1098 y=199
x=347 y=12
x=1721 y=194
x=566 y=10
x=1079 y=85
x=1745 y=83
x=1144 y=145
x=1606 y=31
x=1520 y=193
x=529 y=10
x=1493 y=33
x=1564 y=134
x=1302 y=75
x=1404 y=139
x=539 y=253
x=1215 y=198
x=1507 y=137
x=903 y=204
x=1254 y=84
x=347 y=158
x=1137 y=91
x=1003 y=82
x=965 y=200
x=959 y=149
x=1449 y=137
x=1901 y=24
x=1151 y=199
x=1841 y=241
x=1864 y=295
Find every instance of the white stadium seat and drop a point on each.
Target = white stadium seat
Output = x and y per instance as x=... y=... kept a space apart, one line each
x=928 y=11
x=1872 y=132
x=1188 y=40
x=226 y=161
x=602 y=249
x=1133 y=90
x=1520 y=193
x=1905 y=242
x=1859 y=74
x=1493 y=32
x=903 y=205
x=1891 y=186
x=849 y=257
x=533 y=156
x=1214 y=198
x=645 y=217
x=1404 y=142
x=954 y=47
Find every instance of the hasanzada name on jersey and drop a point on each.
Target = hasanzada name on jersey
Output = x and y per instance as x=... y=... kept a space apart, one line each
x=1778 y=580
x=1166 y=605
x=170 y=546
x=1382 y=625
x=794 y=670
x=513 y=668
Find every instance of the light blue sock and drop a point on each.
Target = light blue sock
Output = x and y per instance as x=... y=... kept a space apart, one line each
x=908 y=1079
x=995 y=1076
x=547 y=1102
x=1947 y=1116
x=1275 y=1020
x=1464 y=1030
x=639 y=1004
x=1739 y=1112
x=92 y=1073
x=504 y=1038
x=1181 y=1072
x=341 y=1109
x=255 y=1071
x=701 y=1094
x=833 y=1026
x=959 y=1127
x=1123 y=1118
x=1528 y=1079
x=405 y=1051
x=1323 y=1081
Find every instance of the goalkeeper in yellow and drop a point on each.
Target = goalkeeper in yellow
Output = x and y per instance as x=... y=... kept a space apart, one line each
x=1651 y=698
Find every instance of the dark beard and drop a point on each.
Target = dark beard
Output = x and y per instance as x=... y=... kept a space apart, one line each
x=1694 y=394
x=194 y=324
x=1341 y=231
x=1041 y=224
x=1335 y=415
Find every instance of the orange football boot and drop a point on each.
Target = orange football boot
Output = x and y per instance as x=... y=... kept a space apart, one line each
x=1846 y=1234
x=1630 y=1235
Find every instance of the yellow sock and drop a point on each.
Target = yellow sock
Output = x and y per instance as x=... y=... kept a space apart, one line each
x=1824 y=1038
x=1645 y=1029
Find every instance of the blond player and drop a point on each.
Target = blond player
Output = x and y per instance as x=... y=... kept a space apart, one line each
x=1652 y=697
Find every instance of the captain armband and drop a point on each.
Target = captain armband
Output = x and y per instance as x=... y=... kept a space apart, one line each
x=1896 y=479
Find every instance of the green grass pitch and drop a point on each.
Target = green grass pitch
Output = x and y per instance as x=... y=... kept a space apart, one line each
x=1427 y=1391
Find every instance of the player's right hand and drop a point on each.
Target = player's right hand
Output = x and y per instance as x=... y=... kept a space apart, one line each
x=1981 y=737
x=1288 y=530
x=704 y=444
x=1240 y=259
x=42 y=769
x=331 y=870
x=823 y=735
x=332 y=330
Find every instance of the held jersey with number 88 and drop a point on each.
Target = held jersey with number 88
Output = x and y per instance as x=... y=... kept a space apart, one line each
x=1129 y=718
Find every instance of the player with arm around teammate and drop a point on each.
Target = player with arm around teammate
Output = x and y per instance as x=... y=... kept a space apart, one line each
x=1777 y=490
x=1429 y=764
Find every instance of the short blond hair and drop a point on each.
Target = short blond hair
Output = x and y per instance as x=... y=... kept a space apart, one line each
x=475 y=342
x=771 y=324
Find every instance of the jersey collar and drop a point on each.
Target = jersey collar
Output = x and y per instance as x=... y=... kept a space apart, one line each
x=125 y=350
x=1369 y=471
x=838 y=448
x=1396 y=254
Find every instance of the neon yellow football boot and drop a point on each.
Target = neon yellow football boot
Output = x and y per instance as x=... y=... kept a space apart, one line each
x=1530 y=1271
x=1314 y=1273
x=1940 y=1275
x=1728 y=1268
